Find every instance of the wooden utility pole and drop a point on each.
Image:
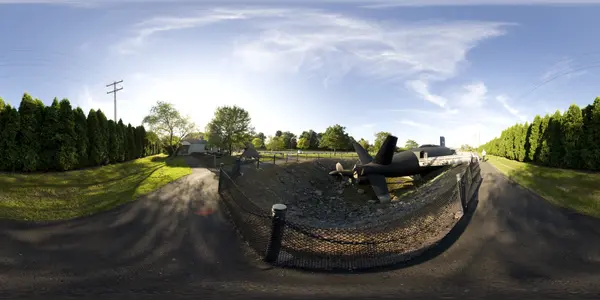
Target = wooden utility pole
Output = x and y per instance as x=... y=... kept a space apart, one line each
x=114 y=92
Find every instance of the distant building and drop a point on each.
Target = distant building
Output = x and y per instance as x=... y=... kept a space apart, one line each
x=189 y=146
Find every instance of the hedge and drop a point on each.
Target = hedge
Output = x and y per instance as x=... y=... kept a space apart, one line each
x=36 y=137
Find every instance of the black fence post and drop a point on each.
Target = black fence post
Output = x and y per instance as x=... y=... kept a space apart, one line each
x=278 y=211
x=287 y=156
x=258 y=163
x=220 y=178
x=274 y=158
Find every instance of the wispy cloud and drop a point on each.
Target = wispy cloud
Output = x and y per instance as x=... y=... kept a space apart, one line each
x=504 y=101
x=422 y=89
x=474 y=96
x=332 y=44
x=396 y=3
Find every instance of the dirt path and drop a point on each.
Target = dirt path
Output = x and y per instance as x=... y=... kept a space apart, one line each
x=515 y=245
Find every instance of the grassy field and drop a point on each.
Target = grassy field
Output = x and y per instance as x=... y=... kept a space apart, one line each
x=579 y=191
x=66 y=195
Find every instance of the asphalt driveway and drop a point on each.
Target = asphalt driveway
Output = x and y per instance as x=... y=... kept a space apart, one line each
x=175 y=243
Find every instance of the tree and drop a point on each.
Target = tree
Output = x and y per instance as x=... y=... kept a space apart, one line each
x=142 y=140
x=67 y=152
x=81 y=138
x=2 y=104
x=195 y=135
x=113 y=142
x=257 y=143
x=544 y=157
x=275 y=143
x=166 y=121
x=130 y=134
x=592 y=136
x=411 y=144
x=289 y=139
x=312 y=137
x=9 y=147
x=303 y=143
x=103 y=136
x=230 y=127
x=379 y=138
x=122 y=141
x=50 y=136
x=95 y=155
x=555 y=140
x=365 y=144
x=535 y=139
x=278 y=133
x=335 y=138
x=29 y=134
x=152 y=142
x=572 y=137
x=262 y=138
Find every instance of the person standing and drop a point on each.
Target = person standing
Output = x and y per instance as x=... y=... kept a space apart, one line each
x=483 y=154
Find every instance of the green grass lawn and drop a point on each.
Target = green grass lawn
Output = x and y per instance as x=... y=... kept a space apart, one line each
x=66 y=195
x=576 y=190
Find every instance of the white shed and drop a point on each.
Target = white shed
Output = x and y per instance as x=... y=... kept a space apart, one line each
x=192 y=146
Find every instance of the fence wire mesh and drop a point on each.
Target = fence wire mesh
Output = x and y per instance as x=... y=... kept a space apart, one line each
x=377 y=245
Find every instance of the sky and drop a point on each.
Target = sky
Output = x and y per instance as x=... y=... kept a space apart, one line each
x=464 y=69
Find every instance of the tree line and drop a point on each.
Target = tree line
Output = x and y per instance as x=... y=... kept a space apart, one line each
x=567 y=140
x=36 y=137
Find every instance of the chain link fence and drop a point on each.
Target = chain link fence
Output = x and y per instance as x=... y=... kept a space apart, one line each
x=289 y=244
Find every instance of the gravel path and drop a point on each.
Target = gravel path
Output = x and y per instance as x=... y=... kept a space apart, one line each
x=516 y=245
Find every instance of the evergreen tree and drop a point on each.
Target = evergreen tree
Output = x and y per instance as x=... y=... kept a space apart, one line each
x=130 y=142
x=521 y=141
x=95 y=136
x=9 y=146
x=102 y=137
x=544 y=156
x=113 y=143
x=50 y=137
x=67 y=153
x=534 y=139
x=143 y=141
x=122 y=140
x=593 y=136
x=29 y=133
x=572 y=135
x=555 y=140
x=81 y=138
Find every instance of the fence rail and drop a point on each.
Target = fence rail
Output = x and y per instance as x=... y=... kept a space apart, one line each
x=286 y=243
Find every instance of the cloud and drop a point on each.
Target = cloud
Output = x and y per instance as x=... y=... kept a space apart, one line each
x=332 y=45
x=474 y=96
x=399 y=3
x=421 y=88
x=504 y=101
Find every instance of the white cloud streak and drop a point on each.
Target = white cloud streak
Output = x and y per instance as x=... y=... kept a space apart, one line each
x=504 y=101
x=332 y=45
x=422 y=89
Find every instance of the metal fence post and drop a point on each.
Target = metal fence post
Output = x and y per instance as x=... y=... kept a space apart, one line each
x=258 y=163
x=220 y=188
x=274 y=158
x=215 y=159
x=278 y=211
x=297 y=156
x=286 y=157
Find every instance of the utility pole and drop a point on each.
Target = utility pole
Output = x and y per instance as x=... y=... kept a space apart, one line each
x=114 y=92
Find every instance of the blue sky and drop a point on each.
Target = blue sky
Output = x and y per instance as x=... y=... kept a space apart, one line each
x=465 y=69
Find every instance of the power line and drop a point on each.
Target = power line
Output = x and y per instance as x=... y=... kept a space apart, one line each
x=114 y=92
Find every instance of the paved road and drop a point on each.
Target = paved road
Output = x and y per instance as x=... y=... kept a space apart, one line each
x=515 y=245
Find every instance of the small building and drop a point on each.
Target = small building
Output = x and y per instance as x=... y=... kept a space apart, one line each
x=190 y=146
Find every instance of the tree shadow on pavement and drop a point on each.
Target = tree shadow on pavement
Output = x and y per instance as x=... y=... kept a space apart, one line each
x=524 y=239
x=157 y=238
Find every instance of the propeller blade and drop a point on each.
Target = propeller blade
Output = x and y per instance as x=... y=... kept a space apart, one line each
x=339 y=167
